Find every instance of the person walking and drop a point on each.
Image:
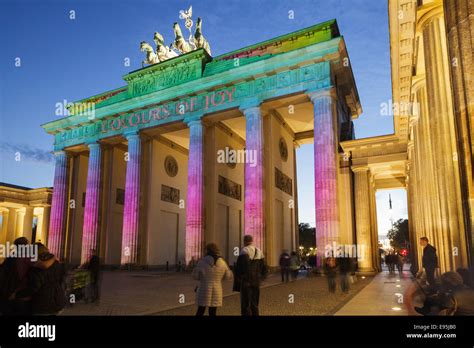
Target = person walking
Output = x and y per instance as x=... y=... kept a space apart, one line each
x=94 y=269
x=399 y=263
x=285 y=266
x=211 y=270
x=46 y=281
x=429 y=261
x=294 y=265
x=330 y=268
x=344 y=265
x=250 y=270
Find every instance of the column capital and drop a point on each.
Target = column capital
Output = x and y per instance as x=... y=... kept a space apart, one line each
x=427 y=13
x=195 y=118
x=59 y=153
x=132 y=134
x=254 y=110
x=249 y=104
x=194 y=122
x=93 y=145
x=360 y=169
x=321 y=93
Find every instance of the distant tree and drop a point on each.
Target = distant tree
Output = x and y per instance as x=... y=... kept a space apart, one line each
x=398 y=234
x=307 y=235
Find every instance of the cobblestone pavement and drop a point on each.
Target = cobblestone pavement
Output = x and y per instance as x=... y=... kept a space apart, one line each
x=143 y=293
x=162 y=293
x=307 y=296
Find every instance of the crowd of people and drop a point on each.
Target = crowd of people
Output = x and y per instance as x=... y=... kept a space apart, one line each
x=32 y=287
x=38 y=287
x=394 y=260
x=289 y=266
x=344 y=266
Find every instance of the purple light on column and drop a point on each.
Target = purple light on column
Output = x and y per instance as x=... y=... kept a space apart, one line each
x=91 y=211
x=58 y=206
x=195 y=194
x=254 y=221
x=131 y=207
x=325 y=171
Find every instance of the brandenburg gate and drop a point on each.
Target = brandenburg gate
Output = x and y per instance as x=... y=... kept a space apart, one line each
x=197 y=149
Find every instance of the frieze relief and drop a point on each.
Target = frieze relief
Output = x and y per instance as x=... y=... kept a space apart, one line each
x=283 y=182
x=169 y=194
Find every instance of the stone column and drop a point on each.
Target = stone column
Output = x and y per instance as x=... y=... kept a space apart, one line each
x=459 y=17
x=28 y=224
x=254 y=217
x=42 y=233
x=56 y=236
x=443 y=138
x=11 y=223
x=195 y=194
x=90 y=228
x=362 y=215
x=325 y=169
x=132 y=198
x=20 y=220
x=3 y=229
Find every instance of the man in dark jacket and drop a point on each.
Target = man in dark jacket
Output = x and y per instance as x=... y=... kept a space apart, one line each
x=94 y=269
x=250 y=270
x=429 y=260
x=344 y=264
x=285 y=266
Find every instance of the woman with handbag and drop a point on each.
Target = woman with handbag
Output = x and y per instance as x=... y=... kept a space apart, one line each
x=210 y=271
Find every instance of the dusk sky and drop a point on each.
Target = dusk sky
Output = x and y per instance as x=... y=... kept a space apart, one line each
x=69 y=59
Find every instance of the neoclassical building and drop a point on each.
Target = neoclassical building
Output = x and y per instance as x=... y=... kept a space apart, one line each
x=146 y=173
x=24 y=212
x=432 y=58
x=148 y=177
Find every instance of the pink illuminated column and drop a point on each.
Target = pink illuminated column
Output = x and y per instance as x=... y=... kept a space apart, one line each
x=195 y=204
x=254 y=220
x=91 y=211
x=58 y=206
x=132 y=201
x=325 y=169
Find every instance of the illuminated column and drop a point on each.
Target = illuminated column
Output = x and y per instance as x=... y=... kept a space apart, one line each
x=27 y=224
x=11 y=223
x=325 y=169
x=91 y=209
x=459 y=18
x=131 y=206
x=195 y=195
x=43 y=223
x=20 y=220
x=3 y=230
x=451 y=243
x=254 y=219
x=362 y=214
x=58 y=207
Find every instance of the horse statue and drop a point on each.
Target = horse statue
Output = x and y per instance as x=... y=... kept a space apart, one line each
x=151 y=57
x=179 y=42
x=199 y=39
x=163 y=52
